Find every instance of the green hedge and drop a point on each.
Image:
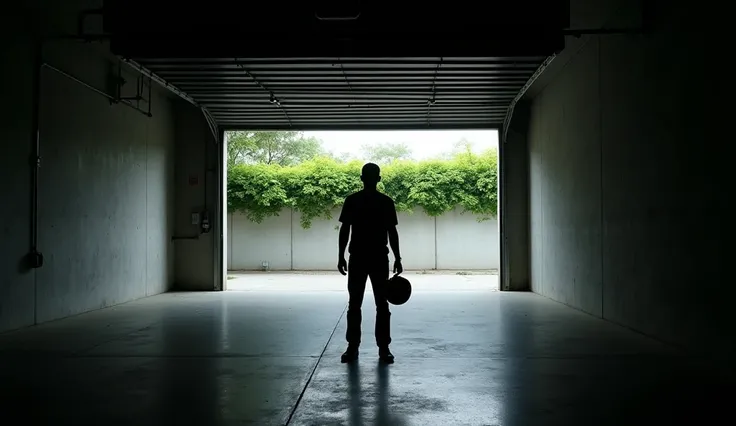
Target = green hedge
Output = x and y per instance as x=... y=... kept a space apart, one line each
x=316 y=187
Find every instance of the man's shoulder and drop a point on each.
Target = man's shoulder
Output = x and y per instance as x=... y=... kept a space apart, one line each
x=387 y=199
x=351 y=200
x=352 y=196
x=370 y=197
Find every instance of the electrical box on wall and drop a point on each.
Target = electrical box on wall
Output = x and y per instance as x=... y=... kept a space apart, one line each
x=202 y=221
x=205 y=222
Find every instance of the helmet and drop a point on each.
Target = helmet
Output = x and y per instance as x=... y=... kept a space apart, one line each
x=398 y=290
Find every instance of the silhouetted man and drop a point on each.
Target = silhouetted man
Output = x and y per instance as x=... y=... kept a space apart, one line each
x=372 y=218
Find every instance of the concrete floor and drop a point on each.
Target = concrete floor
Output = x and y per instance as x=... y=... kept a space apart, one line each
x=270 y=356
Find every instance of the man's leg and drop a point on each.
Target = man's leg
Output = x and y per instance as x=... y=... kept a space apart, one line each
x=379 y=272
x=357 y=277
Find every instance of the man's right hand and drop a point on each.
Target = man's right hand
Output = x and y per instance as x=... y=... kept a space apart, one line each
x=342 y=266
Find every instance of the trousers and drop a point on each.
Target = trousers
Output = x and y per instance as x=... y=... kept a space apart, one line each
x=360 y=267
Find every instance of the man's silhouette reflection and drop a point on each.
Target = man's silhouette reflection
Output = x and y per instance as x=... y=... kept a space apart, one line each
x=382 y=415
x=371 y=216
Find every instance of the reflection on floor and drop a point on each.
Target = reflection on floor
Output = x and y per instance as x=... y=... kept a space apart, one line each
x=260 y=357
x=333 y=281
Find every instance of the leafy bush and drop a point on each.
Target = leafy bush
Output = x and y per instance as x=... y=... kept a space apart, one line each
x=314 y=188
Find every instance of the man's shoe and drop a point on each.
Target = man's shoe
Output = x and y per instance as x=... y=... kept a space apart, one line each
x=385 y=355
x=349 y=355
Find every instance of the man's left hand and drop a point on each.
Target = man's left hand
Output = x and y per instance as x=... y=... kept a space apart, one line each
x=398 y=267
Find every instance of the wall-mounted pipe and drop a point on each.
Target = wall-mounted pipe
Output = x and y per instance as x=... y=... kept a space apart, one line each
x=35 y=258
x=173 y=89
x=165 y=84
x=111 y=98
x=180 y=238
x=85 y=37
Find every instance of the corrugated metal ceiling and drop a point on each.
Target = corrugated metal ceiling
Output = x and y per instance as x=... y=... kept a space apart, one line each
x=350 y=93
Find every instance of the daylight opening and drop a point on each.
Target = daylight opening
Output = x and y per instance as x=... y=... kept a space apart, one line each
x=285 y=192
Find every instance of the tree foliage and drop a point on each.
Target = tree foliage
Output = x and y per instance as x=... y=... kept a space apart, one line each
x=341 y=157
x=385 y=153
x=314 y=188
x=459 y=148
x=284 y=148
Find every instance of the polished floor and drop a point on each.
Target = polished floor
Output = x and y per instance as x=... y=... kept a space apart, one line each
x=465 y=355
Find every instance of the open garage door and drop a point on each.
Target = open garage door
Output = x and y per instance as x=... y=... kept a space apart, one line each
x=343 y=65
x=350 y=93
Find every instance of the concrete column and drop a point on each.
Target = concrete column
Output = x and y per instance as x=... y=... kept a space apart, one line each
x=197 y=189
x=514 y=202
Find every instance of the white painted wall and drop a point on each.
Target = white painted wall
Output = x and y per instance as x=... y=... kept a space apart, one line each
x=316 y=247
x=464 y=243
x=451 y=241
x=252 y=243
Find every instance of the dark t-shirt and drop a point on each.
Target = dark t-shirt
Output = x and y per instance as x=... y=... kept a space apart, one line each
x=370 y=215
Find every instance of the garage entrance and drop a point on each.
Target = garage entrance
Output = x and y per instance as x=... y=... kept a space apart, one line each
x=446 y=95
x=285 y=192
x=331 y=69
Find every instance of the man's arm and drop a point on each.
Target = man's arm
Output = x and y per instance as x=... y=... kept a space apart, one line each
x=393 y=240
x=343 y=240
x=346 y=218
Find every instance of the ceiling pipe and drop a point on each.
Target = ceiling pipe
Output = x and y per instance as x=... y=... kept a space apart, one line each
x=211 y=123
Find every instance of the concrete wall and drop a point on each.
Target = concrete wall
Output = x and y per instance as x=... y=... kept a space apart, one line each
x=628 y=182
x=196 y=191
x=106 y=183
x=451 y=241
x=514 y=201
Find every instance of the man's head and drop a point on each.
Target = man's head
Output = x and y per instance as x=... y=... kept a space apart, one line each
x=370 y=175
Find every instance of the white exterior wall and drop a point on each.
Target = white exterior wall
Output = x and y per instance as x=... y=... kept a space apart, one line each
x=451 y=241
x=465 y=243
x=252 y=243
